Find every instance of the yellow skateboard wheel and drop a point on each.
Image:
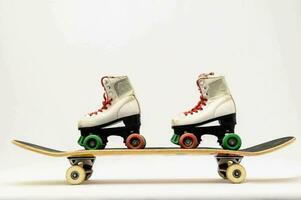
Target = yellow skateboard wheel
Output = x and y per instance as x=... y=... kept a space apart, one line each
x=75 y=175
x=236 y=173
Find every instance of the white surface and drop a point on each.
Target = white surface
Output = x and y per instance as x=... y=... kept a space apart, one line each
x=53 y=53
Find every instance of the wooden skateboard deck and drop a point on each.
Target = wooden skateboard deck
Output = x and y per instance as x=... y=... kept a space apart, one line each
x=228 y=161
x=259 y=149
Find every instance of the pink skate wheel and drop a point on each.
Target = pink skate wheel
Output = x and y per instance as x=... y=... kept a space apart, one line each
x=135 y=141
x=188 y=141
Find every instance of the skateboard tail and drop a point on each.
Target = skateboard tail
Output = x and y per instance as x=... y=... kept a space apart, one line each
x=38 y=149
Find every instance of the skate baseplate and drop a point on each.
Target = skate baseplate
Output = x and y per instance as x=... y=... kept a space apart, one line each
x=229 y=166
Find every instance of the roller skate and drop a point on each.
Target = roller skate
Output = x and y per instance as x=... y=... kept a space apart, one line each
x=119 y=106
x=215 y=104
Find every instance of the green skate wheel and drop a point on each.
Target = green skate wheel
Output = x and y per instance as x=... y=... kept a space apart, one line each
x=81 y=140
x=231 y=141
x=93 y=142
x=175 y=139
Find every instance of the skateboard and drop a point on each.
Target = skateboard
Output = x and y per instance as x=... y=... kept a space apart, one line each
x=228 y=161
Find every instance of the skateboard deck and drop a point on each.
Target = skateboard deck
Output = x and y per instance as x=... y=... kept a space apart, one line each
x=228 y=161
x=256 y=150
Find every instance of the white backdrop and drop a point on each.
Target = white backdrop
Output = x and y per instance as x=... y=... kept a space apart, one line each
x=53 y=54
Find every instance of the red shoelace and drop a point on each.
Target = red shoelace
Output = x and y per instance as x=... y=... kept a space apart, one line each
x=105 y=105
x=198 y=107
x=107 y=101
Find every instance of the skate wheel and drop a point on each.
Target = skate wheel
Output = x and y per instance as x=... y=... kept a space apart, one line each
x=231 y=141
x=75 y=175
x=135 y=141
x=222 y=173
x=236 y=173
x=93 y=142
x=188 y=141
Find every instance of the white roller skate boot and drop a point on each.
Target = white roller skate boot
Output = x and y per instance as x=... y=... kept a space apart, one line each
x=119 y=106
x=215 y=104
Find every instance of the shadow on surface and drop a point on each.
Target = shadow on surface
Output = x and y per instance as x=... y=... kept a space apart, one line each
x=155 y=181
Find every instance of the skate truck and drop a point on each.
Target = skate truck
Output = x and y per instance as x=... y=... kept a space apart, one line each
x=120 y=105
x=215 y=104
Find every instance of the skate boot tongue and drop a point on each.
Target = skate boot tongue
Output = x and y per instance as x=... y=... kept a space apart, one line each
x=202 y=102
x=107 y=100
x=203 y=88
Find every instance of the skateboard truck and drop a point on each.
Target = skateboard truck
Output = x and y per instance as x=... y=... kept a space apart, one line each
x=80 y=170
x=229 y=167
